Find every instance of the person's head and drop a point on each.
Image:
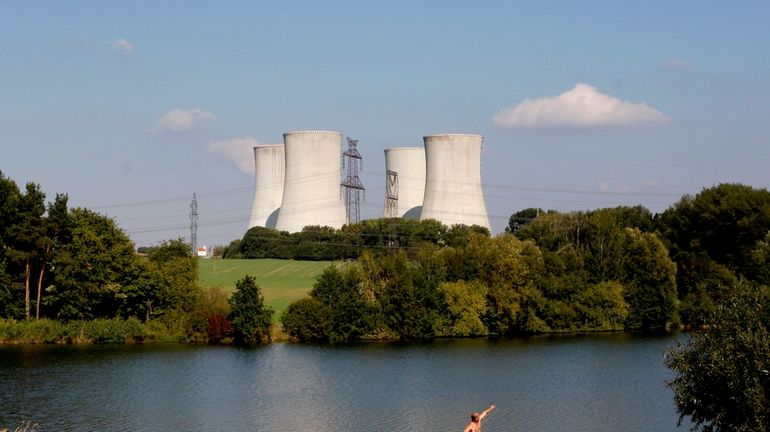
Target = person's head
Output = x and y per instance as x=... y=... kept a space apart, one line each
x=475 y=417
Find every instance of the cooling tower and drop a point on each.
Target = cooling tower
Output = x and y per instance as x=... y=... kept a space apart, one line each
x=269 y=170
x=311 y=187
x=409 y=164
x=453 y=192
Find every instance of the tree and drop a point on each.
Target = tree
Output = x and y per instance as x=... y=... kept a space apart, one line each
x=338 y=289
x=249 y=316
x=521 y=218
x=11 y=304
x=307 y=319
x=176 y=269
x=24 y=236
x=92 y=270
x=466 y=304
x=650 y=278
x=725 y=222
x=458 y=235
x=723 y=374
x=57 y=232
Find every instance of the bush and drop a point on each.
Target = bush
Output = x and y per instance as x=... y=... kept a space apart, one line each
x=307 y=320
x=32 y=331
x=211 y=315
x=104 y=331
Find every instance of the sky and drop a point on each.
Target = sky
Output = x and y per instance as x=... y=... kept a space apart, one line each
x=130 y=108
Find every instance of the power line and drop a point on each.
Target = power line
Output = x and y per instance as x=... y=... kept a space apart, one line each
x=194 y=224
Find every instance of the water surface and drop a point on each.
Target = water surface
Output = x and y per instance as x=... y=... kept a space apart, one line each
x=607 y=382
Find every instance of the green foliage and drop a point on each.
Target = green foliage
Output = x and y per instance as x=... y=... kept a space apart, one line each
x=112 y=331
x=176 y=272
x=465 y=304
x=210 y=315
x=725 y=222
x=308 y=319
x=50 y=331
x=521 y=218
x=408 y=302
x=602 y=306
x=722 y=381
x=715 y=237
x=702 y=283
x=458 y=235
x=650 y=278
x=318 y=243
x=322 y=243
x=249 y=316
x=339 y=290
x=260 y=242
x=92 y=270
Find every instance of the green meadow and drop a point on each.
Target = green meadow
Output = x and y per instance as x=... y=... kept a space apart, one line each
x=281 y=281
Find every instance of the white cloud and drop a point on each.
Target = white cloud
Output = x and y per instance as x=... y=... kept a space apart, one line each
x=182 y=120
x=124 y=46
x=239 y=151
x=580 y=107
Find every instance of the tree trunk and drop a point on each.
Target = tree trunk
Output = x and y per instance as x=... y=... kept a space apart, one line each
x=26 y=289
x=39 y=290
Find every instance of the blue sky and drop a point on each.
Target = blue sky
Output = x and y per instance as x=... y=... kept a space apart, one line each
x=129 y=106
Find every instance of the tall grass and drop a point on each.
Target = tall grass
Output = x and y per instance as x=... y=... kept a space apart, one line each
x=100 y=331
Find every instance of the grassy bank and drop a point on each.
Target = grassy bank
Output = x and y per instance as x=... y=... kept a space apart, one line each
x=100 y=331
x=281 y=281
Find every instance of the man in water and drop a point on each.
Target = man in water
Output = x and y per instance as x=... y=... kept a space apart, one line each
x=476 y=418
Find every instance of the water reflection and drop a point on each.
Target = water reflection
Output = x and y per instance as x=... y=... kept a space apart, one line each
x=577 y=383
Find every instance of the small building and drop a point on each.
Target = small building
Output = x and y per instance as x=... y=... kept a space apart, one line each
x=203 y=251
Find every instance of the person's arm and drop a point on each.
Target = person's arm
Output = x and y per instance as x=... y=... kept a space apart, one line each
x=486 y=411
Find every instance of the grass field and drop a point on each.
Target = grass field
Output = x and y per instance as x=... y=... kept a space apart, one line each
x=281 y=281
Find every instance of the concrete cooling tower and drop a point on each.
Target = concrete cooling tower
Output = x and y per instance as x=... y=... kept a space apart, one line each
x=409 y=164
x=453 y=193
x=268 y=192
x=311 y=187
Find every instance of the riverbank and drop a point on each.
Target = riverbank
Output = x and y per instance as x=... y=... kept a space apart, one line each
x=100 y=331
x=132 y=331
x=108 y=331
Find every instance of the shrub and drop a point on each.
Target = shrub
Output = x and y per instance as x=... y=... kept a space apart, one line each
x=307 y=320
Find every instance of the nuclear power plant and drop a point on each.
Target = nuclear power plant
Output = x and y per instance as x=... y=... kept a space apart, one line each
x=453 y=193
x=311 y=185
x=299 y=183
x=268 y=191
x=406 y=182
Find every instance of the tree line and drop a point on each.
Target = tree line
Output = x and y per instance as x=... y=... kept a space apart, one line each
x=75 y=264
x=321 y=243
x=604 y=269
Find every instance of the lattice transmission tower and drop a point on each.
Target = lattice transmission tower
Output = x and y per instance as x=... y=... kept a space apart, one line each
x=391 y=194
x=194 y=224
x=352 y=187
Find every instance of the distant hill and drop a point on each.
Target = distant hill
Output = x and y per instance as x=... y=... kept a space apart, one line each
x=281 y=281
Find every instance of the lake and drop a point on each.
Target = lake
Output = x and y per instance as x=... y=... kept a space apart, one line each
x=601 y=382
